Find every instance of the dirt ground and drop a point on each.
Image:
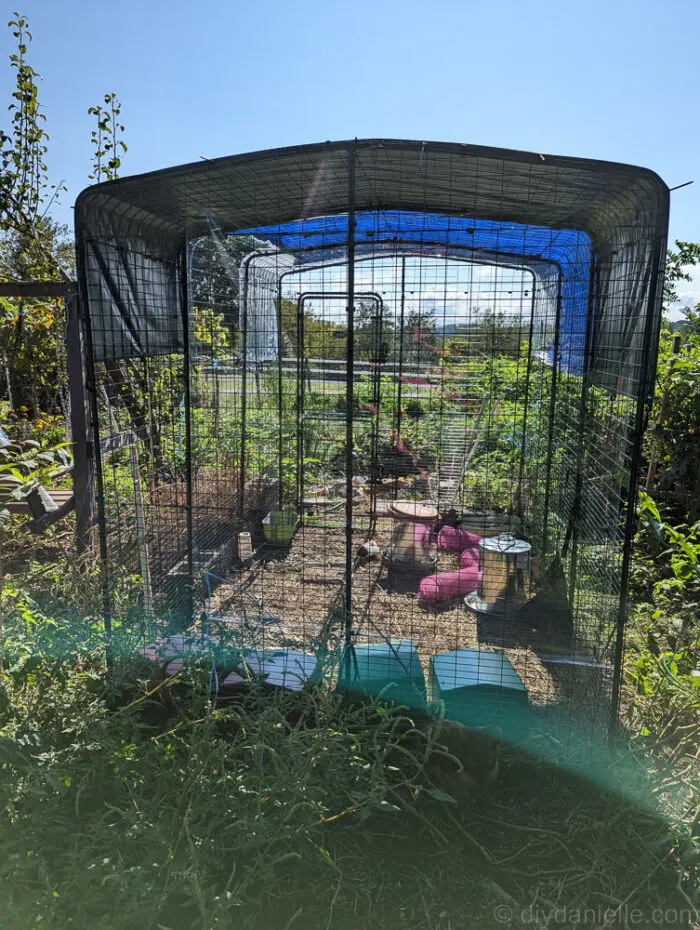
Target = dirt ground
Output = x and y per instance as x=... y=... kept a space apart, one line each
x=302 y=587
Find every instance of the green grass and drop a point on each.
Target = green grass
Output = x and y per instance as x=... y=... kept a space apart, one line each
x=283 y=811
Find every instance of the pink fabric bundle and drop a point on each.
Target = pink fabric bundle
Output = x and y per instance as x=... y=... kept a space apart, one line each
x=450 y=537
x=422 y=534
x=448 y=585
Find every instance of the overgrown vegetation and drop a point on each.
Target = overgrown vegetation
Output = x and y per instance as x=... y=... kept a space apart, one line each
x=131 y=817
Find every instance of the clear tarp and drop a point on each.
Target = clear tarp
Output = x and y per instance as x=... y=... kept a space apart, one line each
x=259 y=287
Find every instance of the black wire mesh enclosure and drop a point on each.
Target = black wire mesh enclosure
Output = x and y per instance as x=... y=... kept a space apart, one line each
x=378 y=401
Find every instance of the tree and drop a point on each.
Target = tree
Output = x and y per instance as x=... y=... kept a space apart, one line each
x=374 y=336
x=32 y=247
x=215 y=263
x=419 y=336
x=499 y=334
x=211 y=337
x=24 y=185
x=322 y=339
x=674 y=441
x=678 y=261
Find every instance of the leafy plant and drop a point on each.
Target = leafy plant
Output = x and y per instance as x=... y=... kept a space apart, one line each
x=26 y=467
x=685 y=255
x=676 y=444
x=211 y=335
x=23 y=185
x=32 y=246
x=107 y=139
x=666 y=636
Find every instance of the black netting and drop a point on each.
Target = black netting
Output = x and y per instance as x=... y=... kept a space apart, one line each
x=374 y=358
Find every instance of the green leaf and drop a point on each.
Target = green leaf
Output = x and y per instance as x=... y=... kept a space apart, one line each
x=652 y=645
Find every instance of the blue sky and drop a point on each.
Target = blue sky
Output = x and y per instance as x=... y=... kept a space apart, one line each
x=609 y=79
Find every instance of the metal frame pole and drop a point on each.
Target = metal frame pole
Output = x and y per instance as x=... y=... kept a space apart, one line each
x=304 y=374
x=376 y=403
x=349 y=390
x=399 y=386
x=552 y=417
x=186 y=374
x=526 y=402
x=573 y=531
x=91 y=386
x=301 y=362
x=80 y=424
x=280 y=397
x=644 y=399
x=244 y=395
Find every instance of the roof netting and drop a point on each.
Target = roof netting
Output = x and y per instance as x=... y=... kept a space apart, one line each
x=280 y=185
x=596 y=222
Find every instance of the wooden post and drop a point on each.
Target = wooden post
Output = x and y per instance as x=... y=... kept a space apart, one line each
x=80 y=425
x=79 y=409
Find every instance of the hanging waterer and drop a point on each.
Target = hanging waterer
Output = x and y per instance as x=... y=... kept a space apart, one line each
x=504 y=563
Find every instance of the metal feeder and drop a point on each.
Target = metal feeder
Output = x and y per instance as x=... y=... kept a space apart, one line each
x=505 y=564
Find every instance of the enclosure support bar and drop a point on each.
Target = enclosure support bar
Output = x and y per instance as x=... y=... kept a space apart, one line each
x=526 y=402
x=244 y=396
x=29 y=289
x=573 y=530
x=79 y=422
x=184 y=300
x=91 y=386
x=301 y=375
x=552 y=417
x=280 y=397
x=349 y=391
x=644 y=398
x=378 y=357
x=304 y=372
x=402 y=312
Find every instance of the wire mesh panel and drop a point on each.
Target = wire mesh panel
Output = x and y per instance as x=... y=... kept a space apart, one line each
x=379 y=402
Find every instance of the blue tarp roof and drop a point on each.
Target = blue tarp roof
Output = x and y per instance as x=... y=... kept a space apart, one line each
x=546 y=251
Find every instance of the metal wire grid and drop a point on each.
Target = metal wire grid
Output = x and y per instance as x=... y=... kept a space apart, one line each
x=209 y=441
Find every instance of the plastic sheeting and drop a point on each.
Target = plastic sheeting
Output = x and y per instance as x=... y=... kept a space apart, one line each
x=559 y=258
x=259 y=281
x=133 y=298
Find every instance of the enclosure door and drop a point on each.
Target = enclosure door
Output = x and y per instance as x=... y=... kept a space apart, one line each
x=337 y=404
